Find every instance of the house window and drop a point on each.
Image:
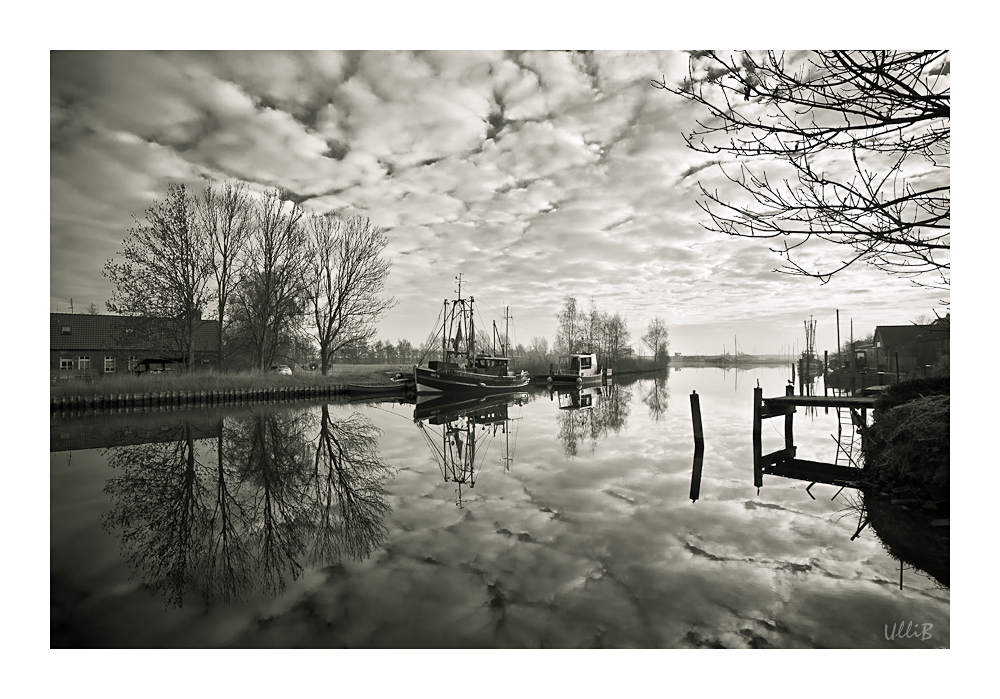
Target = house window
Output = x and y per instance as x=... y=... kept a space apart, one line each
x=65 y=364
x=133 y=362
x=109 y=364
x=66 y=330
x=84 y=364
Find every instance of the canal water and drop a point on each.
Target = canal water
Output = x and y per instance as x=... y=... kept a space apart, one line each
x=546 y=520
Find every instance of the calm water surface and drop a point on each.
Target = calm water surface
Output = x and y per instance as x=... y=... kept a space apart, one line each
x=553 y=521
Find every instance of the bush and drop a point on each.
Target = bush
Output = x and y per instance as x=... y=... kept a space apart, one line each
x=912 y=389
x=909 y=445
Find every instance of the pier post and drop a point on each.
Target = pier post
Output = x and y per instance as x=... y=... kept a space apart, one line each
x=758 y=405
x=826 y=363
x=699 y=437
x=789 y=441
x=699 y=447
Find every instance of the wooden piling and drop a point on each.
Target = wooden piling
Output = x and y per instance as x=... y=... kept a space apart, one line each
x=758 y=406
x=699 y=446
x=826 y=365
x=696 y=418
x=789 y=441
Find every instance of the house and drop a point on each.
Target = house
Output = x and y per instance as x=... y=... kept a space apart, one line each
x=85 y=345
x=911 y=349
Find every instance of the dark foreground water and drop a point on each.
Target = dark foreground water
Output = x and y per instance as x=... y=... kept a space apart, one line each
x=551 y=521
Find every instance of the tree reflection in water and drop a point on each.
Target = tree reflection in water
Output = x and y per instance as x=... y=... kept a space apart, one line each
x=590 y=414
x=656 y=398
x=247 y=508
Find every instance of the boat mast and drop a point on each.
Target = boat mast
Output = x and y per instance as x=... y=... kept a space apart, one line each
x=506 y=332
x=471 y=343
x=444 y=334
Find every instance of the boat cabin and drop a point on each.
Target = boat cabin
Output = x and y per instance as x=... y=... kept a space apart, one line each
x=489 y=364
x=581 y=365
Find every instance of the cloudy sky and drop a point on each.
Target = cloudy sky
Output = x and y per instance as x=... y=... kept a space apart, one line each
x=535 y=175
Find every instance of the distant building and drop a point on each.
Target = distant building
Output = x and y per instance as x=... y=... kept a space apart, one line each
x=84 y=345
x=910 y=349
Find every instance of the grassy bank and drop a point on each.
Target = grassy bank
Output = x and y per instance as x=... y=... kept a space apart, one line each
x=223 y=381
x=908 y=444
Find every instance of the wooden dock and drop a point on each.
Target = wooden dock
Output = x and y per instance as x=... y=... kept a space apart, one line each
x=783 y=462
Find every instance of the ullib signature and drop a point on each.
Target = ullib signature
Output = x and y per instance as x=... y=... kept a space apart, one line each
x=907 y=629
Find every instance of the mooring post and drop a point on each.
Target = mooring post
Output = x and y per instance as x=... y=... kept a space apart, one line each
x=826 y=361
x=696 y=418
x=699 y=446
x=789 y=441
x=758 y=405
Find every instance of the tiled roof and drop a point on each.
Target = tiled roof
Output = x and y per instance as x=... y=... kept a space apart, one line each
x=105 y=332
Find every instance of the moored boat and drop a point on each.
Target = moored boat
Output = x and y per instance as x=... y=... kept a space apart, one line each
x=462 y=368
x=577 y=369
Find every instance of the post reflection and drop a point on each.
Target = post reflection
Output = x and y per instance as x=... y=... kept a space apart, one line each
x=246 y=509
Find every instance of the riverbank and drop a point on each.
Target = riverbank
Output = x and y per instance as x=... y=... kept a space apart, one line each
x=908 y=444
x=211 y=388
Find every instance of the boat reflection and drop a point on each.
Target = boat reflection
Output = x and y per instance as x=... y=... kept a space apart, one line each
x=590 y=414
x=461 y=429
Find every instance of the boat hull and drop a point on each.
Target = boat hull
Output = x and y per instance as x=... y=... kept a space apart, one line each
x=569 y=379
x=432 y=381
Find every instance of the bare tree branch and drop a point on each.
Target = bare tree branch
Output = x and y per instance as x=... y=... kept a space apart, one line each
x=888 y=201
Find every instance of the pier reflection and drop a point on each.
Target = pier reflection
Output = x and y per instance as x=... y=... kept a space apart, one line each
x=908 y=532
x=459 y=430
x=245 y=510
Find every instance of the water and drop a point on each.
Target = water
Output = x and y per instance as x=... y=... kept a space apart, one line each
x=355 y=526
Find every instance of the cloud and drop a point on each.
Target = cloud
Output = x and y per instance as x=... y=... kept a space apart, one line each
x=536 y=174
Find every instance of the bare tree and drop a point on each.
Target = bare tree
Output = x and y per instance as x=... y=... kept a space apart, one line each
x=656 y=338
x=225 y=217
x=270 y=295
x=347 y=279
x=571 y=320
x=617 y=333
x=165 y=271
x=847 y=147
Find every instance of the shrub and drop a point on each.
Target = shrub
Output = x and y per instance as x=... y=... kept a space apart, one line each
x=909 y=444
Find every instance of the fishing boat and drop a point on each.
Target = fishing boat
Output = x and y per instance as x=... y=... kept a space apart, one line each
x=577 y=369
x=462 y=367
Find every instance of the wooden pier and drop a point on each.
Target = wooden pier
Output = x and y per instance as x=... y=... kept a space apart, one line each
x=783 y=462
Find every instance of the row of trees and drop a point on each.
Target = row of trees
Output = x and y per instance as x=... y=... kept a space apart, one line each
x=578 y=330
x=276 y=278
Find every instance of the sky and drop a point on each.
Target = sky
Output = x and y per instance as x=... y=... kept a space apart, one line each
x=535 y=175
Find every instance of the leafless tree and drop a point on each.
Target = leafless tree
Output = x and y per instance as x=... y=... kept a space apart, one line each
x=270 y=294
x=165 y=272
x=346 y=281
x=225 y=216
x=656 y=338
x=847 y=147
x=571 y=320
